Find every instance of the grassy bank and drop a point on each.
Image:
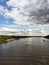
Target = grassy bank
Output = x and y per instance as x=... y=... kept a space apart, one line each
x=4 y=38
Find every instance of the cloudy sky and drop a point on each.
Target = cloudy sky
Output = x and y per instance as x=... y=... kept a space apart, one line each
x=24 y=14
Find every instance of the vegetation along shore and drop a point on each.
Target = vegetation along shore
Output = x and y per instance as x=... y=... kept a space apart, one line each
x=4 y=38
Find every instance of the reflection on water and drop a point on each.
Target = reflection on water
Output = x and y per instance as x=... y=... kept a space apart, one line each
x=25 y=51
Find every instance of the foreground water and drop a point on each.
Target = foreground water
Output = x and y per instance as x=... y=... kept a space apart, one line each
x=25 y=51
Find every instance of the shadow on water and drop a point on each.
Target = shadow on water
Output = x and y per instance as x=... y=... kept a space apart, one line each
x=25 y=51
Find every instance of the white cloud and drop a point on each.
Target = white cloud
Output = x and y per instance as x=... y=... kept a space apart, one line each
x=1 y=10
x=21 y=11
x=6 y=29
x=24 y=12
x=17 y=3
x=16 y=16
x=29 y=11
x=19 y=16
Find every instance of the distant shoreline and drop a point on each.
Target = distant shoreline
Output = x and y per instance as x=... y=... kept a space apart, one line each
x=47 y=37
x=8 y=38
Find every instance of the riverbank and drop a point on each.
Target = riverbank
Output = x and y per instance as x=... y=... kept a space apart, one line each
x=47 y=37
x=7 y=38
x=4 y=38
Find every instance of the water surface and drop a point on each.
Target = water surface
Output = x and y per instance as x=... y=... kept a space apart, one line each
x=25 y=51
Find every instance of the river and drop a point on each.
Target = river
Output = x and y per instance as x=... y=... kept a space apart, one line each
x=25 y=51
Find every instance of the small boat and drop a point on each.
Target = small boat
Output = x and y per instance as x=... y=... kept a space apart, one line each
x=43 y=40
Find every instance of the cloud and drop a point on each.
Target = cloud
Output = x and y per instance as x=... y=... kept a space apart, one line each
x=17 y=3
x=39 y=12
x=10 y=31
x=7 y=29
x=34 y=11
x=27 y=12
x=1 y=10
x=17 y=15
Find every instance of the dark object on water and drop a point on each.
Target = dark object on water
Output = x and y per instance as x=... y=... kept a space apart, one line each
x=47 y=37
x=43 y=40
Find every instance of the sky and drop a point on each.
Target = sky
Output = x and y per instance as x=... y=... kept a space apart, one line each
x=24 y=14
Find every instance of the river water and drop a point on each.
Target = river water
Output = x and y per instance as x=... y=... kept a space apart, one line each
x=25 y=51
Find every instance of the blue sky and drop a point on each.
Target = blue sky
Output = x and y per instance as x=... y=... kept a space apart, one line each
x=24 y=14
